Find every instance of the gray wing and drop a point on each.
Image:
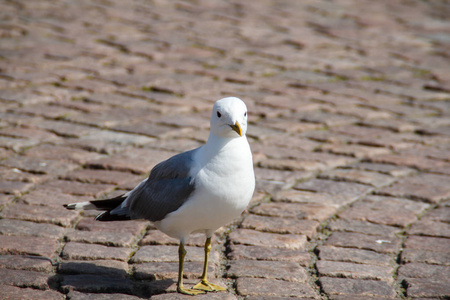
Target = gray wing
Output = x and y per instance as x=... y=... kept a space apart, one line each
x=166 y=189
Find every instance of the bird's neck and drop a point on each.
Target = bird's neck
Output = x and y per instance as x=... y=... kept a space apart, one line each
x=217 y=145
x=229 y=155
x=219 y=142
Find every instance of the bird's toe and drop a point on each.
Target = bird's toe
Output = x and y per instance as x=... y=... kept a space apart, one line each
x=191 y=292
x=209 y=287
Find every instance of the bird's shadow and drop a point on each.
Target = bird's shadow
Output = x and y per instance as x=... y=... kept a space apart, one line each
x=89 y=277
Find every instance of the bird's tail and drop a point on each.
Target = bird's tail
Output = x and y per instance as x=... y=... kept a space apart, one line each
x=107 y=204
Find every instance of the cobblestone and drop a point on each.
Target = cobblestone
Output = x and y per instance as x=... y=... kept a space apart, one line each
x=101 y=176
x=168 y=270
x=54 y=197
x=364 y=177
x=358 y=287
x=271 y=287
x=215 y=296
x=17 y=227
x=13 y=292
x=169 y=254
x=417 y=270
x=268 y=254
x=378 y=243
x=427 y=187
x=354 y=255
x=15 y=188
x=23 y=278
x=309 y=211
x=105 y=238
x=112 y=268
x=83 y=251
x=280 y=225
x=80 y=189
x=91 y=296
x=429 y=228
x=352 y=270
x=256 y=238
x=362 y=227
x=28 y=245
x=96 y=284
x=430 y=257
x=40 y=166
x=385 y=210
x=427 y=288
x=347 y=191
x=134 y=160
x=427 y=243
x=40 y=214
x=288 y=271
x=133 y=227
x=348 y=125
x=30 y=263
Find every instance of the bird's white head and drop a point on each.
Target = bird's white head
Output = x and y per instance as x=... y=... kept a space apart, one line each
x=229 y=118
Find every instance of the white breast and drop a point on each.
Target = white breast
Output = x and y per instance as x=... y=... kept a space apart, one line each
x=224 y=185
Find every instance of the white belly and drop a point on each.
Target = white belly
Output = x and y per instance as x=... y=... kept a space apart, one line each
x=211 y=205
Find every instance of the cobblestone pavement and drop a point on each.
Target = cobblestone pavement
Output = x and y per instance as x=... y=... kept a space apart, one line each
x=350 y=130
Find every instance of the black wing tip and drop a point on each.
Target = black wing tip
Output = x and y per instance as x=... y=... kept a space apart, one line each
x=108 y=204
x=106 y=216
x=69 y=206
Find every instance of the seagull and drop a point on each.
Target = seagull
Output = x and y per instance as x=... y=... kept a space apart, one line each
x=199 y=190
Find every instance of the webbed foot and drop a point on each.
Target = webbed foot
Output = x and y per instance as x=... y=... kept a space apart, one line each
x=191 y=292
x=209 y=287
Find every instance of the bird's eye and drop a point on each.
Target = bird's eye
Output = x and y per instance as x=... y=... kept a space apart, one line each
x=245 y=114
x=219 y=114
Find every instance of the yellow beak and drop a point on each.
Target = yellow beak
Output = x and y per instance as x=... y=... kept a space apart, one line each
x=236 y=127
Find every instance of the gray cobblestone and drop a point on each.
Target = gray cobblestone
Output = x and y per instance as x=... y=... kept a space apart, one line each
x=256 y=238
x=360 y=256
x=40 y=214
x=309 y=211
x=269 y=254
x=13 y=292
x=17 y=227
x=378 y=243
x=288 y=271
x=30 y=263
x=385 y=210
x=358 y=287
x=269 y=287
x=430 y=257
x=364 y=177
x=169 y=254
x=95 y=284
x=352 y=270
x=91 y=296
x=82 y=251
x=280 y=225
x=112 y=268
x=427 y=187
x=362 y=227
x=103 y=238
x=23 y=278
x=168 y=270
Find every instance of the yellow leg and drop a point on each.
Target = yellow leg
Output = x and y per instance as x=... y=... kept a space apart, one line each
x=180 y=287
x=204 y=285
